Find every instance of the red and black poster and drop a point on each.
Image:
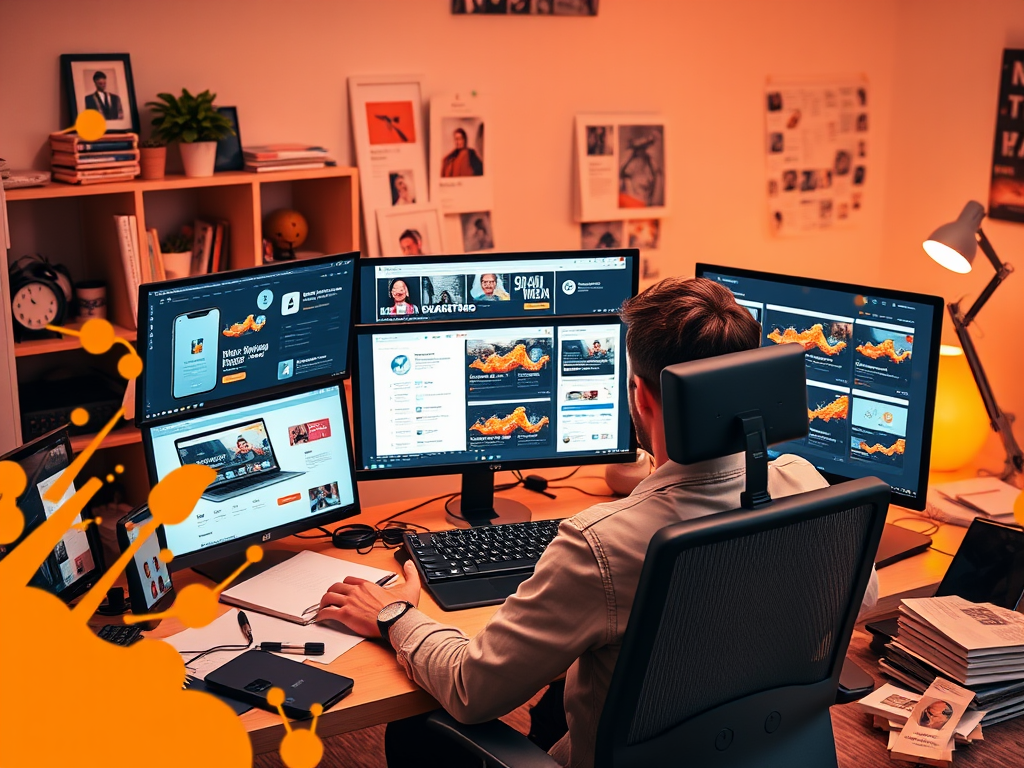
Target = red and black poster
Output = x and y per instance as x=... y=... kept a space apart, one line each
x=1006 y=195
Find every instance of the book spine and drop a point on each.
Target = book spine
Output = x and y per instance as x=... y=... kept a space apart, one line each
x=81 y=158
x=129 y=261
x=158 y=256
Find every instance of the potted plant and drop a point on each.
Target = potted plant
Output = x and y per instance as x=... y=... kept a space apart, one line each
x=195 y=123
x=153 y=158
x=176 y=251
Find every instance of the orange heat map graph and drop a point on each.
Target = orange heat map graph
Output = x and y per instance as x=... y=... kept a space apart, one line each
x=249 y=324
x=517 y=358
x=506 y=426
x=837 y=409
x=812 y=337
x=898 y=447
x=885 y=349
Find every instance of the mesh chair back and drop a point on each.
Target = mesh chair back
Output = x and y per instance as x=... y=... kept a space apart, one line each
x=731 y=608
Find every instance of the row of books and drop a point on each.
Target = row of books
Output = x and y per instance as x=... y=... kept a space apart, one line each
x=284 y=157
x=112 y=157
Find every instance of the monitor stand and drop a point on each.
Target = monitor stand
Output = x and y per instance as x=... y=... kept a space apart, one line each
x=477 y=506
x=218 y=570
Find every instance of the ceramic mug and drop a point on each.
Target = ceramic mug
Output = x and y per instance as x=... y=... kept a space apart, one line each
x=92 y=299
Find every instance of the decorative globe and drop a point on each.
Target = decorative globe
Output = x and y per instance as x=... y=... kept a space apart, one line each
x=286 y=229
x=961 y=424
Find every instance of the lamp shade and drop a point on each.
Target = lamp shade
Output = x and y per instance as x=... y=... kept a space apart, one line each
x=961 y=424
x=953 y=245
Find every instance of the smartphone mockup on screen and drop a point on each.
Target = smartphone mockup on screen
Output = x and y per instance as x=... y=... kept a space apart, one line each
x=194 y=367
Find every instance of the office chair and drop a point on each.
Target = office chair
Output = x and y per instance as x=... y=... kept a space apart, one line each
x=741 y=622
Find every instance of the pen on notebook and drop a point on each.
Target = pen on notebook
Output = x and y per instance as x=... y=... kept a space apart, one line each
x=306 y=649
x=243 y=624
x=381 y=582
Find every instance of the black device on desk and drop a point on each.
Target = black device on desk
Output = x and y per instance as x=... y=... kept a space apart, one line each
x=987 y=568
x=150 y=588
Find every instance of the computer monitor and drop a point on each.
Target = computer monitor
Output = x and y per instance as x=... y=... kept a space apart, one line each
x=476 y=397
x=211 y=338
x=76 y=562
x=491 y=286
x=283 y=463
x=872 y=360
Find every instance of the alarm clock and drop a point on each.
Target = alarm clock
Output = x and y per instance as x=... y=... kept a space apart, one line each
x=40 y=296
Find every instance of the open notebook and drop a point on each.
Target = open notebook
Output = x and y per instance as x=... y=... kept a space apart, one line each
x=292 y=590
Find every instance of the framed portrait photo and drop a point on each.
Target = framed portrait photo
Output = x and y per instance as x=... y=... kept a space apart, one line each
x=410 y=230
x=101 y=81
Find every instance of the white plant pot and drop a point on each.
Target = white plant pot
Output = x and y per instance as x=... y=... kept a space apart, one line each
x=177 y=264
x=198 y=157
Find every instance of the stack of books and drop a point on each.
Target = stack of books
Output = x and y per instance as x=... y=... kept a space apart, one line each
x=209 y=246
x=284 y=157
x=112 y=157
x=978 y=645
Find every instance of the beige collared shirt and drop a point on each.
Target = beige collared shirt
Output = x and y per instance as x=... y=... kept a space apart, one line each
x=570 y=616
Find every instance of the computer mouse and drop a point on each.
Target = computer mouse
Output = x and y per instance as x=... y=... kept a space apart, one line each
x=401 y=555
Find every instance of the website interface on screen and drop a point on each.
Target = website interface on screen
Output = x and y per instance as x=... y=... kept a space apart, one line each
x=72 y=558
x=867 y=374
x=155 y=578
x=208 y=342
x=483 y=290
x=277 y=462
x=489 y=394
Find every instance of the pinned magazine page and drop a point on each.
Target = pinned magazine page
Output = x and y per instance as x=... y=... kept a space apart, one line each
x=461 y=179
x=387 y=125
x=411 y=230
x=621 y=167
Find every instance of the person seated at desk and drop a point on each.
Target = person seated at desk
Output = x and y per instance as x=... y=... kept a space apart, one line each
x=571 y=615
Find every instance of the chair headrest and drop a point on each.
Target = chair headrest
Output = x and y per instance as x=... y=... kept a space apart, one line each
x=702 y=399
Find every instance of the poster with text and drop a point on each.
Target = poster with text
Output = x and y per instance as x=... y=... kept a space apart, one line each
x=461 y=179
x=621 y=167
x=1006 y=194
x=817 y=148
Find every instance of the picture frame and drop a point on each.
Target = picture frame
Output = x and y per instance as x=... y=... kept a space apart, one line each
x=411 y=230
x=101 y=81
x=390 y=134
x=229 y=149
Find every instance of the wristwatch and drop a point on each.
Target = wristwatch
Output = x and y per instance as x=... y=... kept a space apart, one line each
x=388 y=615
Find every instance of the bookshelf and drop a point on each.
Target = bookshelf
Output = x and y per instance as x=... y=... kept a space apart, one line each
x=73 y=225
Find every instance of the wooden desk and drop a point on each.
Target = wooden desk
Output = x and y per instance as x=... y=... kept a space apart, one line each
x=384 y=693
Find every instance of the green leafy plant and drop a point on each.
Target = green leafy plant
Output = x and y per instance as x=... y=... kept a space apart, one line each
x=188 y=118
x=152 y=144
x=179 y=242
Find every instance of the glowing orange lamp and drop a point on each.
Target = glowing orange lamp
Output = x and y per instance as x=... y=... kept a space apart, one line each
x=960 y=424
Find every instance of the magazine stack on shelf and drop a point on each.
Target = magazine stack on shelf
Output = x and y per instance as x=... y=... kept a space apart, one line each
x=284 y=157
x=978 y=645
x=112 y=157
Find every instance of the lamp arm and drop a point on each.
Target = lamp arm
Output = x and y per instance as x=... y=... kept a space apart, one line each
x=1002 y=272
x=1001 y=422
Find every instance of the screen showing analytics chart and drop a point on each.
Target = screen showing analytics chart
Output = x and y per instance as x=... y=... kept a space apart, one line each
x=278 y=462
x=221 y=336
x=500 y=286
x=869 y=363
x=487 y=392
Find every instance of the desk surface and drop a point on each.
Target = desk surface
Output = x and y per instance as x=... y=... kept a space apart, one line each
x=383 y=692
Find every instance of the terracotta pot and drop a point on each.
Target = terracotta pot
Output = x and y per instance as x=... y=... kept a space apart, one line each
x=153 y=161
x=198 y=157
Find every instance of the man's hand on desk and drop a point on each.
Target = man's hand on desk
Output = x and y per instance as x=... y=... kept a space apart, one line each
x=356 y=602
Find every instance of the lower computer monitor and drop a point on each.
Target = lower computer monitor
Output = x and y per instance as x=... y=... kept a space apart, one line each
x=473 y=398
x=872 y=360
x=77 y=561
x=283 y=463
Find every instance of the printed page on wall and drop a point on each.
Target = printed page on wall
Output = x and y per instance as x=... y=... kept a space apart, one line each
x=462 y=178
x=387 y=124
x=1006 y=194
x=817 y=147
x=620 y=167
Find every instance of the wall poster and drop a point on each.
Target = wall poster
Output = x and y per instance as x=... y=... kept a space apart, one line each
x=1006 y=194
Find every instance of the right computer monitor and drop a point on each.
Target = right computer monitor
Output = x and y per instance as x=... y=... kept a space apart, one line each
x=872 y=361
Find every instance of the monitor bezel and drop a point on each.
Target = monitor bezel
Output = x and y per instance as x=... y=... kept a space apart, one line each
x=482 y=259
x=51 y=440
x=146 y=289
x=460 y=468
x=239 y=545
x=937 y=305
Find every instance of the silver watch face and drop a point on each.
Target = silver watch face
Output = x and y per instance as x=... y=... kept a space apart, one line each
x=391 y=611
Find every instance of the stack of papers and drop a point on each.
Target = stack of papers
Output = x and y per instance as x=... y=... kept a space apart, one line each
x=979 y=645
x=962 y=501
x=890 y=707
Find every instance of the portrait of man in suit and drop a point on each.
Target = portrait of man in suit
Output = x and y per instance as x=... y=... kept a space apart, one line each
x=106 y=103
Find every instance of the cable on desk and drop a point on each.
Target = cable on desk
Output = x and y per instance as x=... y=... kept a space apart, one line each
x=237 y=647
x=941 y=551
x=325 y=535
x=586 y=493
x=932 y=528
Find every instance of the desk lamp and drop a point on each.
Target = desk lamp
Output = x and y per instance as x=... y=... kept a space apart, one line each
x=954 y=246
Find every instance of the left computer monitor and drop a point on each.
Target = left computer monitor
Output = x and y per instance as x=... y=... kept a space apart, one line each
x=73 y=566
x=283 y=463
x=209 y=339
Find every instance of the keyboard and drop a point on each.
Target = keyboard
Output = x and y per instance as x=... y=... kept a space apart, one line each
x=120 y=634
x=468 y=567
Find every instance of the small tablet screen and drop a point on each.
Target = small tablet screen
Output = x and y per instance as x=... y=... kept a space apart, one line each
x=153 y=574
x=988 y=567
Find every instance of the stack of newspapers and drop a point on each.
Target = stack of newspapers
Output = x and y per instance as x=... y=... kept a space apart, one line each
x=978 y=645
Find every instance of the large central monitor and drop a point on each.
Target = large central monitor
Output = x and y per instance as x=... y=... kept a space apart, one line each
x=283 y=463
x=209 y=339
x=872 y=360
x=477 y=397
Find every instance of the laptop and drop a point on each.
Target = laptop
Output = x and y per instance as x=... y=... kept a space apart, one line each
x=242 y=455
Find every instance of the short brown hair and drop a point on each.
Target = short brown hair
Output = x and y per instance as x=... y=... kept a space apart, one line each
x=682 y=319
